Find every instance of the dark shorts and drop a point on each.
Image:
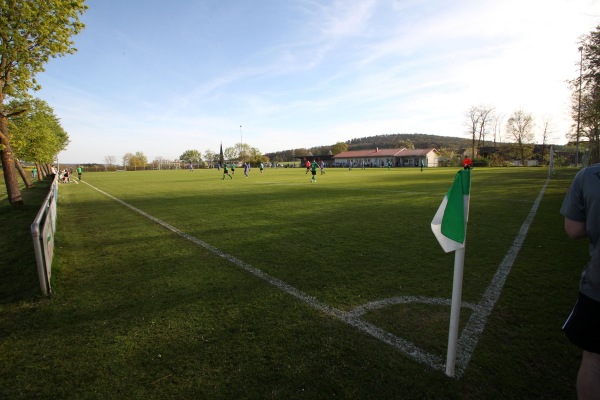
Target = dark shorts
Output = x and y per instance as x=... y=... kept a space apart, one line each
x=583 y=325
x=314 y=172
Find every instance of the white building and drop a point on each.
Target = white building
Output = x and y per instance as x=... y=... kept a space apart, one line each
x=385 y=157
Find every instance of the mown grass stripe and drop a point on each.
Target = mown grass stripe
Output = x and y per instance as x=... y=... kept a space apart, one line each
x=350 y=318
x=469 y=336
x=474 y=328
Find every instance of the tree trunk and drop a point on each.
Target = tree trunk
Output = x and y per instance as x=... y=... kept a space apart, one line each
x=8 y=165
x=10 y=178
x=23 y=174
x=40 y=173
x=594 y=153
x=522 y=149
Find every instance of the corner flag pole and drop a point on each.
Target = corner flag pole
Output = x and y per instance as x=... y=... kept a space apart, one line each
x=459 y=264
x=449 y=225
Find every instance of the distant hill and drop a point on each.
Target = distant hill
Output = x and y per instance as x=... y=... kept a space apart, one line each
x=398 y=140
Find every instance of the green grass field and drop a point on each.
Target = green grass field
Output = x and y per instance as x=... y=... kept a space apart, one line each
x=258 y=294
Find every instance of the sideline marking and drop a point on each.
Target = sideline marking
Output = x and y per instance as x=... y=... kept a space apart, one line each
x=469 y=337
x=471 y=333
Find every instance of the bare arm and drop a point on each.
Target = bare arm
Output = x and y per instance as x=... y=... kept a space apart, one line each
x=575 y=229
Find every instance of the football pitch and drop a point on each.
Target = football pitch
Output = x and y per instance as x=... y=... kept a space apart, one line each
x=179 y=284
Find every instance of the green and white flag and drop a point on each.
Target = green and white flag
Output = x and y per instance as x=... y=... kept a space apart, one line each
x=449 y=224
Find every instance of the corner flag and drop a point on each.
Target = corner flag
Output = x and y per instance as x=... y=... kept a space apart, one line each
x=449 y=225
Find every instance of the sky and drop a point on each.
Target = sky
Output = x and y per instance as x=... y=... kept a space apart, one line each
x=162 y=77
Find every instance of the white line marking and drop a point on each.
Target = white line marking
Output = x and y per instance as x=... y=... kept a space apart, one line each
x=374 y=305
x=469 y=337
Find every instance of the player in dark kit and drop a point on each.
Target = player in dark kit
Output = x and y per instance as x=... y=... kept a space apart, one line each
x=226 y=172
x=313 y=171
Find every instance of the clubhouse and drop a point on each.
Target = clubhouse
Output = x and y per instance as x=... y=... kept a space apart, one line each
x=384 y=157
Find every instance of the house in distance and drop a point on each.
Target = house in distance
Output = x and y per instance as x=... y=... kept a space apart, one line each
x=388 y=157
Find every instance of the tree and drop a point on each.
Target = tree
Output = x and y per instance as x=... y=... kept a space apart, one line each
x=586 y=94
x=243 y=153
x=126 y=158
x=546 y=132
x=485 y=118
x=339 y=147
x=135 y=161
x=478 y=118
x=36 y=134
x=138 y=160
x=473 y=124
x=520 y=128
x=158 y=162
x=231 y=153
x=191 y=156
x=404 y=144
x=110 y=160
x=31 y=32
x=211 y=157
x=497 y=120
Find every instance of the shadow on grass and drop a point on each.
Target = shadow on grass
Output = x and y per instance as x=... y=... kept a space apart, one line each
x=18 y=269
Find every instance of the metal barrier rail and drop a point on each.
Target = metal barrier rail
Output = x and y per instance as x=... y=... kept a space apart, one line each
x=42 y=231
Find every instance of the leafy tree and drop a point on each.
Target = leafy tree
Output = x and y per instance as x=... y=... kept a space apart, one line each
x=319 y=150
x=254 y=156
x=339 y=147
x=231 y=153
x=513 y=151
x=126 y=158
x=586 y=94
x=302 y=152
x=138 y=160
x=520 y=128
x=243 y=153
x=404 y=144
x=191 y=156
x=211 y=157
x=31 y=32
x=37 y=135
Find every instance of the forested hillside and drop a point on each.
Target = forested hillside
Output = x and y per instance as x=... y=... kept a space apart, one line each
x=399 y=140
x=408 y=140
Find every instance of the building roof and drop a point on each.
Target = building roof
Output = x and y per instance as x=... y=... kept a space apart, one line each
x=368 y=153
x=384 y=153
x=321 y=157
x=417 y=152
